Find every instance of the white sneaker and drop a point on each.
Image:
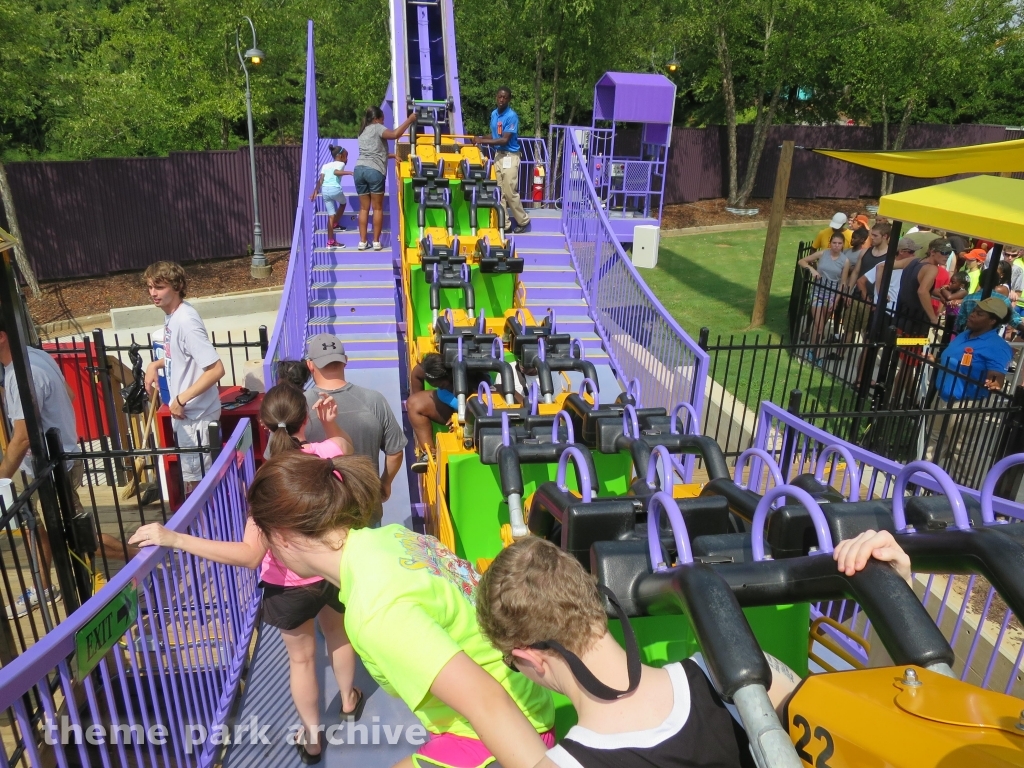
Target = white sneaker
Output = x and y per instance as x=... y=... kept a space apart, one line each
x=363 y=246
x=30 y=599
x=377 y=246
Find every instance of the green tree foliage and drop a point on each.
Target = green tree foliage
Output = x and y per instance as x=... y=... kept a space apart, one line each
x=87 y=78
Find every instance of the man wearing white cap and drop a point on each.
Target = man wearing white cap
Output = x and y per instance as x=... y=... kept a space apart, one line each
x=835 y=227
x=363 y=413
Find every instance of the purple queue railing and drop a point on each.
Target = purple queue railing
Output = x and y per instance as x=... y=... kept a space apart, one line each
x=532 y=152
x=287 y=342
x=175 y=670
x=643 y=340
x=983 y=632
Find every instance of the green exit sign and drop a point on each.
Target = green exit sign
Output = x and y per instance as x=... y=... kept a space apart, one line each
x=105 y=628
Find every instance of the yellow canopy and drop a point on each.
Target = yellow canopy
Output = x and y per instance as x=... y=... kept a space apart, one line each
x=989 y=207
x=998 y=157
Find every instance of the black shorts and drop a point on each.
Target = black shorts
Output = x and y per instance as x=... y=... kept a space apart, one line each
x=291 y=607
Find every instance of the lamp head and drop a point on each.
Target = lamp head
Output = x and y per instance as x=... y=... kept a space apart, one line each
x=673 y=65
x=255 y=55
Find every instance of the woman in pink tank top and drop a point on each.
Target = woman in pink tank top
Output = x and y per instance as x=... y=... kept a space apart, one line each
x=290 y=602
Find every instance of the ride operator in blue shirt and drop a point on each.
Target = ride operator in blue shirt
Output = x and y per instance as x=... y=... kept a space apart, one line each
x=505 y=138
x=980 y=357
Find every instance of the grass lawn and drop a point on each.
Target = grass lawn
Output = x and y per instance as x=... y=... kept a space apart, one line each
x=710 y=280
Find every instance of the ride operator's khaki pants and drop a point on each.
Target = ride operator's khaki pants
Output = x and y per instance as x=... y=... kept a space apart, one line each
x=508 y=183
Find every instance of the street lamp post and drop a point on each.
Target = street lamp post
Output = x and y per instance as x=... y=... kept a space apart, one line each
x=260 y=267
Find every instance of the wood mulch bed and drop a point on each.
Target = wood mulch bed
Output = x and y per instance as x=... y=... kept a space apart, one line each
x=81 y=296
x=709 y=212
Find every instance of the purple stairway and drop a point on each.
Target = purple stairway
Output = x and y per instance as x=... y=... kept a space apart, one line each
x=551 y=283
x=352 y=292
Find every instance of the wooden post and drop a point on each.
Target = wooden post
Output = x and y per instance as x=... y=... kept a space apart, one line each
x=771 y=241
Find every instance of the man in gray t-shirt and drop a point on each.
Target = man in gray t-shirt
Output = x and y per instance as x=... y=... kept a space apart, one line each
x=363 y=413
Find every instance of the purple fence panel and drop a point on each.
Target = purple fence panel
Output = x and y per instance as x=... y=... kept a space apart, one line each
x=643 y=341
x=986 y=653
x=287 y=342
x=162 y=689
x=698 y=160
x=113 y=214
x=694 y=166
x=214 y=219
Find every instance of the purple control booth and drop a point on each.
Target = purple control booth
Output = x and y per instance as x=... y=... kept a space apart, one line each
x=629 y=170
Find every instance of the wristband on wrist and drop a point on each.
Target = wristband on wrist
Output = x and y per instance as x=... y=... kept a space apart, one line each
x=177 y=399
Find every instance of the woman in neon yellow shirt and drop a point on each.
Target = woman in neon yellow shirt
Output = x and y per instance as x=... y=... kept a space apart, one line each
x=409 y=611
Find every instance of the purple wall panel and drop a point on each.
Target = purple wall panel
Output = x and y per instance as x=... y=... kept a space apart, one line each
x=698 y=159
x=114 y=214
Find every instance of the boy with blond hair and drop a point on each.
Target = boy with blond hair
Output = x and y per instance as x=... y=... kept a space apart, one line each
x=543 y=611
x=191 y=364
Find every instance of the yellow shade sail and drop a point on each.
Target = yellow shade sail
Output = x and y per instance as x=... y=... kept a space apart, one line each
x=998 y=157
x=988 y=207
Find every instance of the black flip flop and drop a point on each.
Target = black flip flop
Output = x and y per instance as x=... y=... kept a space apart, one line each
x=356 y=713
x=305 y=757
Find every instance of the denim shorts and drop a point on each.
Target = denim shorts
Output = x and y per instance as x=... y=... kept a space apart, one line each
x=333 y=202
x=368 y=181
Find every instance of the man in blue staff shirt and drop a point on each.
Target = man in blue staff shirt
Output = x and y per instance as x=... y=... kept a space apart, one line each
x=505 y=137
x=981 y=357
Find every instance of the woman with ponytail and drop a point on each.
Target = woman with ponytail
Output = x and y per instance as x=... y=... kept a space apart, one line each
x=409 y=611
x=290 y=602
x=284 y=413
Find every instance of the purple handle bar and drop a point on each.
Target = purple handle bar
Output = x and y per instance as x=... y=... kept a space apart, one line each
x=659 y=502
x=570 y=435
x=899 y=516
x=633 y=390
x=629 y=417
x=692 y=424
x=763 y=455
x=574 y=453
x=988 y=488
x=668 y=466
x=852 y=470
x=764 y=507
x=593 y=390
x=483 y=389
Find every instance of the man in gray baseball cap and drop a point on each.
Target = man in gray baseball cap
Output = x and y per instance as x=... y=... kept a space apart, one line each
x=325 y=348
x=363 y=413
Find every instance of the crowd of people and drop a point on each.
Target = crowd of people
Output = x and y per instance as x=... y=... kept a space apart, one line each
x=934 y=276
x=934 y=297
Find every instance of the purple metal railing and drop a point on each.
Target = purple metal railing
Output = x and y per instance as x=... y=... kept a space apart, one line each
x=175 y=670
x=643 y=340
x=287 y=342
x=987 y=639
x=532 y=152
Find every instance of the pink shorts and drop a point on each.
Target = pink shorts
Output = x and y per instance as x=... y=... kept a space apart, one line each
x=462 y=751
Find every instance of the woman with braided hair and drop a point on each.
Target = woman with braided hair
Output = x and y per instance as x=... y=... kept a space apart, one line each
x=290 y=602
